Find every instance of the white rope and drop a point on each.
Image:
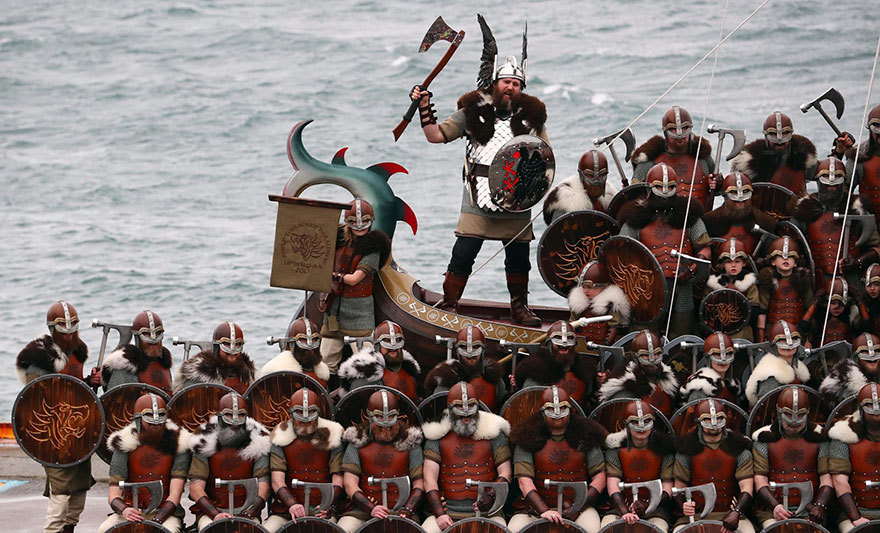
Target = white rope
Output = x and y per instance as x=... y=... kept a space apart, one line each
x=852 y=180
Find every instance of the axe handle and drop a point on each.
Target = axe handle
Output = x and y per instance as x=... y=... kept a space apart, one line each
x=623 y=180
x=720 y=153
x=830 y=122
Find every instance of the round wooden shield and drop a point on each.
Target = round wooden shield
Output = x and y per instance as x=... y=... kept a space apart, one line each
x=350 y=409
x=684 y=419
x=526 y=402
x=797 y=525
x=842 y=410
x=268 y=397
x=871 y=527
x=433 y=407
x=521 y=173
x=634 y=269
x=682 y=357
x=476 y=525
x=703 y=526
x=138 y=527
x=636 y=191
x=545 y=526
x=610 y=414
x=641 y=526
x=787 y=228
x=310 y=524
x=725 y=310
x=195 y=404
x=772 y=198
x=118 y=404
x=57 y=420
x=568 y=244
x=391 y=524
x=764 y=411
x=234 y=525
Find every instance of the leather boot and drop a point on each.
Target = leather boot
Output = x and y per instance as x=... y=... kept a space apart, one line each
x=453 y=287
x=518 y=286
x=68 y=528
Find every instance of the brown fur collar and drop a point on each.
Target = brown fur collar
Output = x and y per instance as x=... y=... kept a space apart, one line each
x=205 y=367
x=374 y=241
x=660 y=442
x=656 y=145
x=633 y=379
x=46 y=355
x=408 y=437
x=812 y=433
x=760 y=163
x=543 y=369
x=205 y=442
x=328 y=435
x=132 y=359
x=447 y=374
x=479 y=115
x=638 y=215
x=126 y=440
x=808 y=208
x=719 y=221
x=732 y=442
x=867 y=150
x=582 y=433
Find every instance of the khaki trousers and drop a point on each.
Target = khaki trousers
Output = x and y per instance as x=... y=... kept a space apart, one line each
x=63 y=510
x=588 y=520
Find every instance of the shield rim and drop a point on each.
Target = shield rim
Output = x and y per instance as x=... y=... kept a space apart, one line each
x=236 y=519
x=150 y=388
x=817 y=527
x=541 y=248
x=498 y=528
x=437 y=395
x=614 y=207
x=46 y=377
x=657 y=270
x=746 y=320
x=702 y=522
x=657 y=413
x=815 y=399
x=533 y=388
x=653 y=526
x=400 y=397
x=418 y=527
x=186 y=389
x=571 y=526
x=834 y=417
x=157 y=525
x=551 y=168
x=307 y=519
x=683 y=409
x=308 y=379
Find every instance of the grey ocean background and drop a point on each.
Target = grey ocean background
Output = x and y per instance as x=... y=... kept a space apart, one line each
x=140 y=139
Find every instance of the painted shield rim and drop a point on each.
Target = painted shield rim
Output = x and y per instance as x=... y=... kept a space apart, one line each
x=626 y=194
x=738 y=295
x=235 y=520
x=522 y=392
x=548 y=156
x=641 y=522
x=494 y=527
x=699 y=523
x=393 y=518
x=773 y=186
x=147 y=389
x=801 y=522
x=285 y=528
x=442 y=395
x=571 y=526
x=835 y=415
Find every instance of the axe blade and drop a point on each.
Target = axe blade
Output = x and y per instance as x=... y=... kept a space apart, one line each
x=324 y=489
x=403 y=489
x=580 y=488
x=501 y=490
x=250 y=487
x=709 y=495
x=866 y=227
x=655 y=488
x=439 y=31
x=155 y=488
x=804 y=489
x=625 y=135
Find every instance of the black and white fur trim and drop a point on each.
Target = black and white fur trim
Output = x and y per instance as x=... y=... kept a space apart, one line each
x=131 y=359
x=489 y=426
x=204 y=367
x=370 y=365
x=204 y=440
x=570 y=196
x=848 y=429
x=634 y=379
x=842 y=381
x=44 y=353
x=742 y=285
x=709 y=382
x=126 y=439
x=612 y=299
x=773 y=366
x=770 y=433
x=328 y=436
x=285 y=362
x=359 y=436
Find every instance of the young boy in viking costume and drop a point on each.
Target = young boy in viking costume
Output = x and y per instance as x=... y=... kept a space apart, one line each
x=731 y=270
x=844 y=319
x=780 y=365
x=145 y=361
x=785 y=287
x=225 y=364
x=596 y=295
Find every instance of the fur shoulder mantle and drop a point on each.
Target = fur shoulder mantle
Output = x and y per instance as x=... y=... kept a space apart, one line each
x=131 y=359
x=759 y=163
x=205 y=367
x=359 y=436
x=772 y=366
x=637 y=384
x=205 y=442
x=370 y=365
x=582 y=433
x=448 y=373
x=733 y=443
x=479 y=115
x=770 y=433
x=489 y=426
x=656 y=145
x=46 y=355
x=286 y=362
x=174 y=440
x=328 y=436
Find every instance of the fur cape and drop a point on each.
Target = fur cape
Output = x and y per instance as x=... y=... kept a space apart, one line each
x=131 y=359
x=768 y=279
x=759 y=163
x=359 y=436
x=849 y=430
x=867 y=150
x=204 y=367
x=773 y=366
x=374 y=241
x=638 y=215
x=581 y=433
x=808 y=208
x=46 y=355
x=743 y=281
x=204 y=441
x=656 y=145
x=448 y=373
x=489 y=426
x=285 y=361
x=770 y=433
x=719 y=221
x=479 y=115
x=544 y=370
x=611 y=300
x=174 y=439
x=328 y=436
x=709 y=382
x=636 y=383
x=843 y=380
x=570 y=196
x=661 y=442
x=370 y=365
x=733 y=443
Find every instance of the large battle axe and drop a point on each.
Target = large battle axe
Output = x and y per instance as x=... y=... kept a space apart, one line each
x=250 y=488
x=833 y=96
x=867 y=229
x=655 y=489
x=580 y=488
x=629 y=139
x=739 y=141
x=124 y=331
x=500 y=488
x=709 y=495
x=155 y=488
x=325 y=489
x=403 y=489
x=205 y=346
x=439 y=31
x=804 y=488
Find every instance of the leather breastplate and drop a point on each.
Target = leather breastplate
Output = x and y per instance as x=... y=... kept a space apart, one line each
x=156 y=375
x=793 y=460
x=786 y=303
x=382 y=460
x=661 y=239
x=486 y=392
x=305 y=462
x=639 y=465
x=400 y=380
x=228 y=464
x=347 y=262
x=147 y=463
x=659 y=399
x=74 y=367
x=864 y=456
x=462 y=458
x=236 y=384
x=594 y=332
x=573 y=385
x=793 y=180
x=558 y=461
x=683 y=165
x=715 y=466
x=823 y=235
x=837 y=329
x=869 y=187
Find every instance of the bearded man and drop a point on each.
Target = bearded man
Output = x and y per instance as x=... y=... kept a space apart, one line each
x=646 y=378
x=559 y=365
x=849 y=375
x=385 y=362
x=225 y=364
x=145 y=361
x=737 y=216
x=302 y=353
x=867 y=168
x=587 y=190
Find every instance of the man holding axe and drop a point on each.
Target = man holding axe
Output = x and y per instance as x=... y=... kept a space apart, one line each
x=144 y=361
x=867 y=168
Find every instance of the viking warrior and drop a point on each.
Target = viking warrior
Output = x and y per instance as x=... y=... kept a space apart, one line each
x=302 y=353
x=383 y=446
x=150 y=448
x=820 y=215
x=360 y=253
x=869 y=299
x=60 y=352
x=557 y=444
x=488 y=117
x=849 y=375
x=145 y=361
x=678 y=149
x=852 y=460
x=646 y=378
x=596 y=295
x=230 y=446
x=465 y=444
x=225 y=364
x=867 y=168
x=732 y=269
x=587 y=190
x=640 y=452
x=737 y=216
x=842 y=309
x=792 y=450
x=780 y=365
x=713 y=453
x=785 y=288
x=781 y=157
x=307 y=448
x=385 y=362
x=473 y=366
x=715 y=380
x=661 y=225
x=558 y=364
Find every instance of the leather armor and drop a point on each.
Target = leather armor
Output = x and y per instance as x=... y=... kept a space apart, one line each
x=147 y=463
x=743 y=235
x=793 y=460
x=74 y=367
x=683 y=165
x=462 y=458
x=786 y=304
x=823 y=234
x=382 y=460
x=659 y=399
x=558 y=461
x=661 y=239
x=574 y=386
x=346 y=262
x=157 y=375
x=400 y=380
x=865 y=466
x=869 y=187
x=486 y=392
x=793 y=180
x=719 y=467
x=226 y=464
x=595 y=332
x=307 y=463
x=637 y=466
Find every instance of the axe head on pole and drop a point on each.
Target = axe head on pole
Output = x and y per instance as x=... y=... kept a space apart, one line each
x=625 y=135
x=403 y=488
x=439 y=31
x=500 y=487
x=325 y=489
x=155 y=488
x=655 y=488
x=866 y=225
x=833 y=96
x=251 y=492
x=804 y=489
x=739 y=139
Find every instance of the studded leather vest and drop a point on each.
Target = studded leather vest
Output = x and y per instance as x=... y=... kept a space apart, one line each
x=793 y=460
x=157 y=375
x=227 y=464
x=464 y=458
x=715 y=466
x=346 y=262
x=74 y=367
x=683 y=165
x=305 y=462
x=382 y=460
x=661 y=239
x=659 y=399
x=786 y=304
x=573 y=385
x=639 y=465
x=147 y=463
x=793 y=180
x=864 y=456
x=743 y=235
x=823 y=235
x=400 y=380
x=869 y=187
x=558 y=461
x=837 y=329
x=486 y=392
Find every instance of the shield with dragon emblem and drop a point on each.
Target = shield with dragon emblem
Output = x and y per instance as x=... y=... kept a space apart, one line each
x=567 y=245
x=703 y=526
x=772 y=198
x=351 y=408
x=118 y=404
x=725 y=310
x=234 y=525
x=793 y=232
x=764 y=411
x=610 y=415
x=798 y=525
x=268 y=396
x=195 y=404
x=526 y=402
x=57 y=420
x=310 y=524
x=684 y=419
x=146 y=526
x=634 y=269
x=521 y=173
